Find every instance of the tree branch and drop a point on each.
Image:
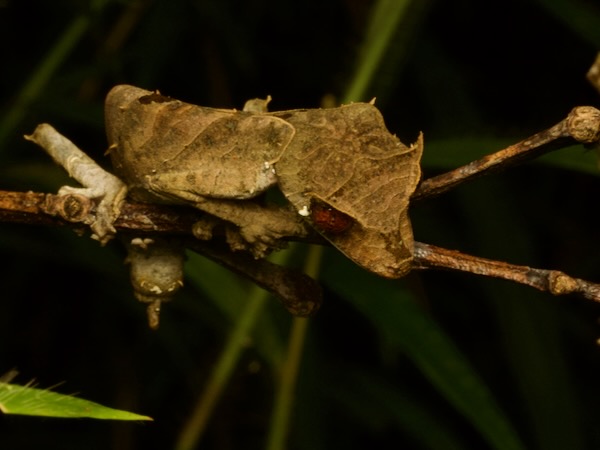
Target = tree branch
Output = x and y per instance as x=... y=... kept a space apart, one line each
x=552 y=281
x=581 y=126
x=34 y=208
x=299 y=293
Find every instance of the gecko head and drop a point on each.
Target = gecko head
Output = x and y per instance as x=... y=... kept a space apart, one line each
x=384 y=251
x=352 y=180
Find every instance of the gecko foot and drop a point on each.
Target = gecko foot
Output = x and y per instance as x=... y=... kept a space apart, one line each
x=98 y=184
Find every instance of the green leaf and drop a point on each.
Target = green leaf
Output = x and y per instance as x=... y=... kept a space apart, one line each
x=29 y=401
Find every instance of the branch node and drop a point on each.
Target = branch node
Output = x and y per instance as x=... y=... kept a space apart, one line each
x=583 y=124
x=71 y=207
x=560 y=283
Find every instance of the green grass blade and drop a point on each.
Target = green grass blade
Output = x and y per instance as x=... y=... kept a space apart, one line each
x=580 y=16
x=529 y=325
x=195 y=426
x=404 y=326
x=284 y=397
x=29 y=401
x=246 y=321
x=229 y=295
x=372 y=400
x=39 y=78
x=385 y=18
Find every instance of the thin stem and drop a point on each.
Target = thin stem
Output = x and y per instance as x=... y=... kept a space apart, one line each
x=385 y=17
x=582 y=125
x=40 y=76
x=195 y=426
x=553 y=281
x=284 y=399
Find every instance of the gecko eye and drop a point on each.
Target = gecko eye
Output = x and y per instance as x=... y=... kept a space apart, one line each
x=328 y=219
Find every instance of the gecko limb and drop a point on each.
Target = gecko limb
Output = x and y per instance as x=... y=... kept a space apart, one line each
x=99 y=185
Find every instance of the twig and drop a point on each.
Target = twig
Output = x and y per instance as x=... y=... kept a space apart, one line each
x=35 y=208
x=291 y=286
x=552 y=281
x=582 y=126
x=299 y=293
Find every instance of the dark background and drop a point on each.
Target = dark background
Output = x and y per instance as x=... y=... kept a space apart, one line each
x=473 y=76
